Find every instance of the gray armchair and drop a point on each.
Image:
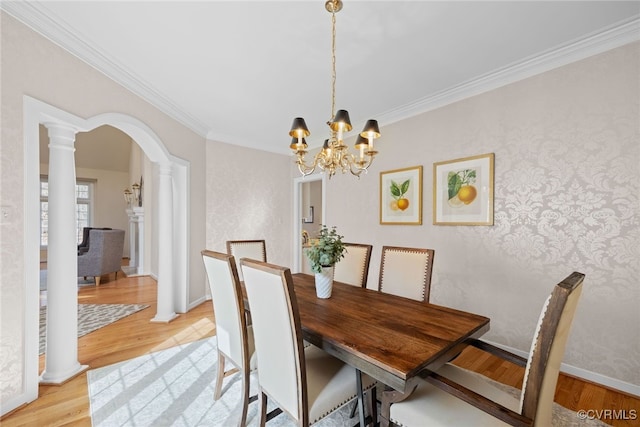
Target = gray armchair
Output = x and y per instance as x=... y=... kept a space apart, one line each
x=84 y=245
x=104 y=255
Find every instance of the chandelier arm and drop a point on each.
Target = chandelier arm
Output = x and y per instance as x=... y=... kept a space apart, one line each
x=346 y=161
x=305 y=172
x=355 y=168
x=358 y=173
x=303 y=167
x=367 y=162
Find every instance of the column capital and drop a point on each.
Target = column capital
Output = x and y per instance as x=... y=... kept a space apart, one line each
x=164 y=168
x=61 y=135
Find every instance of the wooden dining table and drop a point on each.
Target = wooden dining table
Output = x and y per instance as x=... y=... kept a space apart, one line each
x=390 y=338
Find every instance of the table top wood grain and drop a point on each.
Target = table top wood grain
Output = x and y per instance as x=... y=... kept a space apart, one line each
x=387 y=337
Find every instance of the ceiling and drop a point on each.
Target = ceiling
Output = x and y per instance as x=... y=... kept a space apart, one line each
x=240 y=71
x=104 y=147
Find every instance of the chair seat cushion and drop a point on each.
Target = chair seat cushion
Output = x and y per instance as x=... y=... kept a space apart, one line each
x=329 y=380
x=428 y=405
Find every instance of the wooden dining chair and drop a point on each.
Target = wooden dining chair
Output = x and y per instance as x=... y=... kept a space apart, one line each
x=305 y=382
x=353 y=268
x=406 y=272
x=253 y=249
x=455 y=396
x=234 y=336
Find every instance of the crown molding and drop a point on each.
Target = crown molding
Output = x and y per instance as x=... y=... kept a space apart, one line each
x=32 y=14
x=617 y=35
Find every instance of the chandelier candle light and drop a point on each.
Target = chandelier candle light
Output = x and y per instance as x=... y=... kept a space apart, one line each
x=334 y=155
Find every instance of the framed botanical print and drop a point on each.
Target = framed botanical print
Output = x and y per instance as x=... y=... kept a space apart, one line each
x=401 y=196
x=463 y=191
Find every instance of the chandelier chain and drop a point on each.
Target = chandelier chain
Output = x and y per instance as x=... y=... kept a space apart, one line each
x=333 y=64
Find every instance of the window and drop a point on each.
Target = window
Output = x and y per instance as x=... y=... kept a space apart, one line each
x=84 y=205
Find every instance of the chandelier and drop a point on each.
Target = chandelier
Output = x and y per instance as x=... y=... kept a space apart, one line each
x=335 y=154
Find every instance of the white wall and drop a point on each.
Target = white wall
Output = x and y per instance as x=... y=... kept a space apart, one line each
x=31 y=65
x=567 y=161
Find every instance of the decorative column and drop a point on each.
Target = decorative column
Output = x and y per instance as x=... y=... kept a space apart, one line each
x=165 y=303
x=133 y=242
x=136 y=242
x=61 y=359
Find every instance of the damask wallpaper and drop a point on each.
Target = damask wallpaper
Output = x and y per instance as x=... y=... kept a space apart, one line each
x=567 y=188
x=249 y=197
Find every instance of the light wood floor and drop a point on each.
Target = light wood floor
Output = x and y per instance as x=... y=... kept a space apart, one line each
x=134 y=335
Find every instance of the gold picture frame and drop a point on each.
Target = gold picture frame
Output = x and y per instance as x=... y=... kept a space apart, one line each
x=401 y=196
x=463 y=191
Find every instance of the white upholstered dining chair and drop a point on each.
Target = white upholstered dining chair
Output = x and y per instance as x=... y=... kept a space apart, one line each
x=305 y=382
x=253 y=249
x=234 y=336
x=455 y=396
x=353 y=268
x=406 y=272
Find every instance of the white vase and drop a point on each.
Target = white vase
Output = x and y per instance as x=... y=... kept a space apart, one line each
x=324 y=282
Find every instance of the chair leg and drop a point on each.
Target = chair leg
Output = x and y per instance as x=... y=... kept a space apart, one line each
x=263 y=409
x=245 y=399
x=219 y=377
x=97 y=279
x=373 y=403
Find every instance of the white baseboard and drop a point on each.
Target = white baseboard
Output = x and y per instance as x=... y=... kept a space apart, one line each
x=15 y=402
x=196 y=303
x=593 y=377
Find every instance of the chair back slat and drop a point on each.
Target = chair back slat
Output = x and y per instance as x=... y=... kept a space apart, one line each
x=277 y=335
x=353 y=269
x=547 y=350
x=406 y=272
x=252 y=249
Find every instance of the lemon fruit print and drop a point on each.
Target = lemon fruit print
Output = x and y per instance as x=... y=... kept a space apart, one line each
x=461 y=190
x=399 y=202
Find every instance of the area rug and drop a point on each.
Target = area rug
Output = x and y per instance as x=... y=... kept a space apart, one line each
x=175 y=387
x=91 y=317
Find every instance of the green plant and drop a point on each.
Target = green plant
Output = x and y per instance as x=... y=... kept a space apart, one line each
x=327 y=251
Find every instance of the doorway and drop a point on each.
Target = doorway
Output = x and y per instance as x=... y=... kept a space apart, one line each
x=309 y=207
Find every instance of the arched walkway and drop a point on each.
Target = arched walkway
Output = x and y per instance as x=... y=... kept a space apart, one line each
x=170 y=188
